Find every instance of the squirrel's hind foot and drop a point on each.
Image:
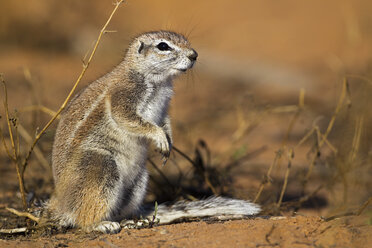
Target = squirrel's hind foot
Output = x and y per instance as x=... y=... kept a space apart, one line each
x=108 y=227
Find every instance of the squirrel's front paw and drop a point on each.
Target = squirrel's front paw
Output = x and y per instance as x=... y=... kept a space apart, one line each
x=162 y=142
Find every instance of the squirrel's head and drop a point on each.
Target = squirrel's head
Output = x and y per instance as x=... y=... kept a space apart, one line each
x=161 y=54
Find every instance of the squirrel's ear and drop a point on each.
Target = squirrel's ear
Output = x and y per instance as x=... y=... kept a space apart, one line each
x=141 y=47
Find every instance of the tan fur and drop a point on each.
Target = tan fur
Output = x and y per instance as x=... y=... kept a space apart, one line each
x=101 y=142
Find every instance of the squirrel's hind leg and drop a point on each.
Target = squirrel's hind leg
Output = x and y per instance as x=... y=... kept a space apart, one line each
x=87 y=192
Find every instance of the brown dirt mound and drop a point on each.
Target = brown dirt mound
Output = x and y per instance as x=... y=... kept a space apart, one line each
x=299 y=231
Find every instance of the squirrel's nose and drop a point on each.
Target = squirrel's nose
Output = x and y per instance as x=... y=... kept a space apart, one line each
x=193 y=55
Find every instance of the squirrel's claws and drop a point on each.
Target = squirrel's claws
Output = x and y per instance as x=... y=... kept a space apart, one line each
x=165 y=157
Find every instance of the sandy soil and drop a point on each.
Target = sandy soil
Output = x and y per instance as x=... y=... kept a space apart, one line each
x=296 y=232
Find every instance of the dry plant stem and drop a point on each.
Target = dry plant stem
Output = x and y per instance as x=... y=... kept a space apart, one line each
x=39 y=108
x=356 y=139
x=267 y=176
x=359 y=77
x=20 y=214
x=306 y=137
x=39 y=155
x=18 y=145
x=329 y=128
x=206 y=179
x=23 y=214
x=357 y=212
x=14 y=156
x=337 y=110
x=361 y=209
x=161 y=173
x=85 y=67
x=328 y=143
x=183 y=155
x=14 y=230
x=303 y=199
x=300 y=107
x=34 y=95
x=210 y=184
x=290 y=157
x=5 y=145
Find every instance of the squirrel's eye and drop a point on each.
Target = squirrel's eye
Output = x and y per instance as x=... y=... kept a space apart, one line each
x=162 y=46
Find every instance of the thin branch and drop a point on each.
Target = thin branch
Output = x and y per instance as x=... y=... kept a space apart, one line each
x=15 y=125
x=85 y=67
x=356 y=139
x=40 y=108
x=290 y=157
x=13 y=157
x=344 y=93
x=266 y=178
x=161 y=174
x=205 y=175
x=4 y=143
x=24 y=214
x=38 y=153
x=365 y=204
x=351 y=213
x=359 y=77
x=14 y=230
x=328 y=143
x=306 y=136
x=184 y=155
x=5 y=103
x=301 y=104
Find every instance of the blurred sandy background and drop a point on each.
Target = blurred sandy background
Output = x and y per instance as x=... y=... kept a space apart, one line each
x=254 y=58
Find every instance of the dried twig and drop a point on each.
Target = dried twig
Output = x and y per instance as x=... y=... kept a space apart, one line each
x=184 y=155
x=365 y=204
x=356 y=139
x=14 y=230
x=5 y=103
x=14 y=146
x=327 y=142
x=297 y=203
x=357 y=212
x=85 y=67
x=161 y=174
x=267 y=178
x=39 y=108
x=24 y=214
x=290 y=157
x=299 y=108
x=359 y=77
x=4 y=143
x=38 y=153
x=301 y=104
x=344 y=94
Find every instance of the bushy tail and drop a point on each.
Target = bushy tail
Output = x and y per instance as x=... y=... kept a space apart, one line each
x=217 y=207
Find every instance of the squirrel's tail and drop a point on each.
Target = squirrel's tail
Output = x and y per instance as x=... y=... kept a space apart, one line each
x=216 y=207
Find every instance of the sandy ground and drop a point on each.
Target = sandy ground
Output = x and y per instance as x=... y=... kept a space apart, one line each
x=296 y=232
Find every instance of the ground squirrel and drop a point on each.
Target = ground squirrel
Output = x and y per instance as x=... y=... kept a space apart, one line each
x=101 y=142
